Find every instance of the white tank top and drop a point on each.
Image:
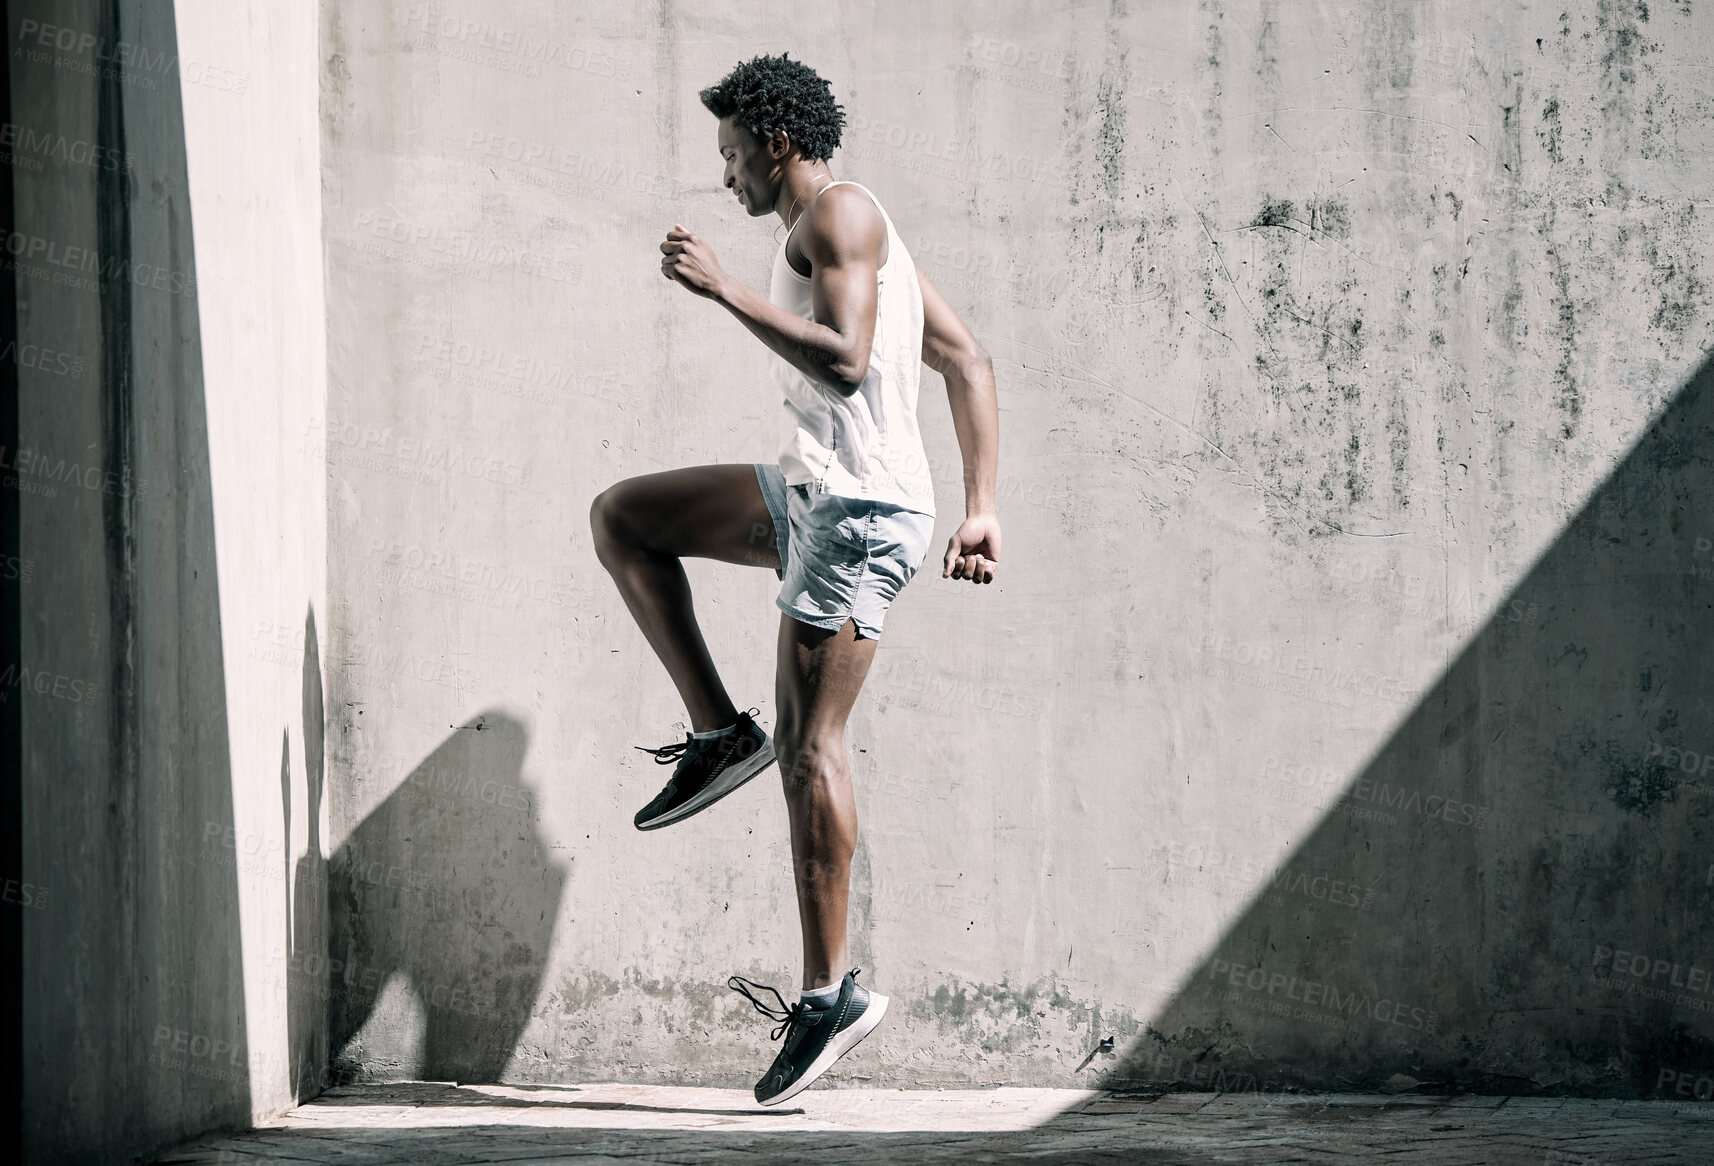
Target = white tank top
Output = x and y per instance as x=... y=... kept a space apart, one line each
x=866 y=445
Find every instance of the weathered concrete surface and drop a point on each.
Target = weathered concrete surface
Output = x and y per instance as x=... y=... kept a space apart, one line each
x=1515 y=893
x=171 y=354
x=431 y=1124
x=251 y=78
x=1315 y=328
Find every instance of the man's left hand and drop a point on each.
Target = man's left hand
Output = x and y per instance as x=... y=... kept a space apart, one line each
x=973 y=552
x=691 y=262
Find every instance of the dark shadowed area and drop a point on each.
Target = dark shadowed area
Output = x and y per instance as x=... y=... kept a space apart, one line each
x=1516 y=896
x=308 y=981
x=135 y=1026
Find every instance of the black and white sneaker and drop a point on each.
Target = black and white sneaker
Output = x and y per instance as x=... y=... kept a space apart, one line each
x=815 y=1037
x=707 y=771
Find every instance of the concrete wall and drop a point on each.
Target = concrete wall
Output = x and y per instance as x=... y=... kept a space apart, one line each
x=1350 y=481
x=168 y=265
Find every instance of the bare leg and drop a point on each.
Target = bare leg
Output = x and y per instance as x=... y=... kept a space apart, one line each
x=644 y=525
x=819 y=676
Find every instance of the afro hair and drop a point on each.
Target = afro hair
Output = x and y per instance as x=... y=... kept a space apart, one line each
x=765 y=94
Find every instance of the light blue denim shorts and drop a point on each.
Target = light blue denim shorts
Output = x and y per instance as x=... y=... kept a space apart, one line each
x=841 y=558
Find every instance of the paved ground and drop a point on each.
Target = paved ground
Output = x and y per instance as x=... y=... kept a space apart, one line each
x=428 y=1124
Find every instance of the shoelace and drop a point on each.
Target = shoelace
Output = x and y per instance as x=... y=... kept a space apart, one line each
x=667 y=754
x=786 y=1015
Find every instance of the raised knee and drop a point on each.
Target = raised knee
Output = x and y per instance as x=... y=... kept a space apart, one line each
x=606 y=523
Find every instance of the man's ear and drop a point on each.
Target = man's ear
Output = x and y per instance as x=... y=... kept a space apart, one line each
x=779 y=144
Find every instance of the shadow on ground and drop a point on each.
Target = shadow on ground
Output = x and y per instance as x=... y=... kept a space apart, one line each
x=1530 y=850
x=433 y=1095
x=425 y=1122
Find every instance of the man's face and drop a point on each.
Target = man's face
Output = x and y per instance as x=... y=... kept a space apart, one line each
x=752 y=173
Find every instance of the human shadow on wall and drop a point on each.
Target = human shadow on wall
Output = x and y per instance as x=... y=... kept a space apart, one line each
x=448 y=884
x=1526 y=902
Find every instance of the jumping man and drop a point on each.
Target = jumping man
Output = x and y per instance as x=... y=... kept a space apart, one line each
x=844 y=517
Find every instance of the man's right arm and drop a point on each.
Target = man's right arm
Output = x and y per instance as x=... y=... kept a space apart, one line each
x=951 y=349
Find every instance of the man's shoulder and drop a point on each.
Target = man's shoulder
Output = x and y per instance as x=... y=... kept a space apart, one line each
x=849 y=194
x=846 y=215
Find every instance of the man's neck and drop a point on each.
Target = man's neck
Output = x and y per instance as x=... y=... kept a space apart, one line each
x=798 y=189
